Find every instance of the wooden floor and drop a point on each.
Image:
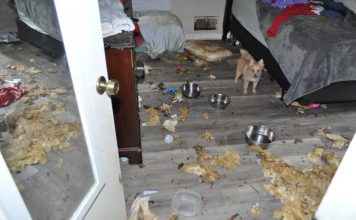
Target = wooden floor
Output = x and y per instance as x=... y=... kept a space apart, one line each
x=240 y=190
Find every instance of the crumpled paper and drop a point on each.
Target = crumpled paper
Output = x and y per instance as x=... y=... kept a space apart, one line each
x=141 y=204
x=170 y=124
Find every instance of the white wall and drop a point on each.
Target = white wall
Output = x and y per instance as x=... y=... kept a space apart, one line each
x=186 y=10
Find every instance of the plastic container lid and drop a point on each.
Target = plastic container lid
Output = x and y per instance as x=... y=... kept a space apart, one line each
x=186 y=203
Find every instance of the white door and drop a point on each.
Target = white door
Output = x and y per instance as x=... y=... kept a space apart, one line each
x=98 y=185
x=339 y=201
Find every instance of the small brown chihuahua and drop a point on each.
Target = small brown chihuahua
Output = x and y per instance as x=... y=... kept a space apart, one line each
x=250 y=69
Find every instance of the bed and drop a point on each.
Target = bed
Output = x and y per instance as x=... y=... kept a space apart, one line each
x=37 y=22
x=311 y=57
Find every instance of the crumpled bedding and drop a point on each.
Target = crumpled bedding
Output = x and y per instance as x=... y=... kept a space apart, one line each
x=312 y=51
x=162 y=31
x=41 y=15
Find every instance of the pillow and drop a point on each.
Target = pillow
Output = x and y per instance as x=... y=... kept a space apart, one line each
x=350 y=4
x=207 y=51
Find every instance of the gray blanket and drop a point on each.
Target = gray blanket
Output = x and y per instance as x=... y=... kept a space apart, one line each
x=42 y=13
x=312 y=51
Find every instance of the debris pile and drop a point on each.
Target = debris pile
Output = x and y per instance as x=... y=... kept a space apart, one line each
x=41 y=90
x=300 y=189
x=169 y=124
x=229 y=160
x=153 y=117
x=339 y=141
x=36 y=131
x=22 y=68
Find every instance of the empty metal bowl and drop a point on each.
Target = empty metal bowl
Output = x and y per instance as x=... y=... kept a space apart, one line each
x=259 y=135
x=190 y=90
x=219 y=101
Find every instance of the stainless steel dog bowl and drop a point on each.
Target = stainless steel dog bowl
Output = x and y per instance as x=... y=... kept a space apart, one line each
x=190 y=90
x=259 y=135
x=219 y=101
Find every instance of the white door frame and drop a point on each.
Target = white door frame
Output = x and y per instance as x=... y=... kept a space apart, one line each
x=12 y=205
x=81 y=32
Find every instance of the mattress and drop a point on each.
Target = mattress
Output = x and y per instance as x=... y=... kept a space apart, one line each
x=312 y=51
x=245 y=12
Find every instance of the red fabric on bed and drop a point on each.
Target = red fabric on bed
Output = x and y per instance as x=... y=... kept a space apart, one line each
x=290 y=11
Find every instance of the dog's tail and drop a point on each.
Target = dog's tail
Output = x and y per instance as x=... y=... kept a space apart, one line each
x=244 y=53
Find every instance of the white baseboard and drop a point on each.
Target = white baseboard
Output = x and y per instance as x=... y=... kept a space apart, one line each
x=203 y=36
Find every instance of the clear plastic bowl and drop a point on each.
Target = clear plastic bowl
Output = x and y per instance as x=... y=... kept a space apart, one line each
x=186 y=203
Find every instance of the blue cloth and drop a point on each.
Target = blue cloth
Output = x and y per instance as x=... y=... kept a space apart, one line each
x=284 y=3
x=170 y=90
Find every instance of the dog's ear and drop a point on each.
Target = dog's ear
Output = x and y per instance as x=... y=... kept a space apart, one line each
x=252 y=62
x=261 y=63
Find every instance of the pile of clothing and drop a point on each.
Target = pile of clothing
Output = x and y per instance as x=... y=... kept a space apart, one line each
x=327 y=8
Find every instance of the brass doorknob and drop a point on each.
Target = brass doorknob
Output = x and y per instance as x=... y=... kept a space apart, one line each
x=111 y=87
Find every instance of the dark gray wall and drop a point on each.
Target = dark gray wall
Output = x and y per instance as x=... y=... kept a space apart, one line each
x=7 y=17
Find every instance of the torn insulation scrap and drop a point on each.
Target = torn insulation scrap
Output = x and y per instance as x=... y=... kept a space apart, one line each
x=173 y=216
x=178 y=97
x=14 y=66
x=211 y=77
x=33 y=70
x=255 y=210
x=205 y=116
x=229 y=160
x=204 y=160
x=185 y=112
x=153 y=117
x=339 y=141
x=208 y=136
x=300 y=189
x=35 y=132
x=166 y=108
